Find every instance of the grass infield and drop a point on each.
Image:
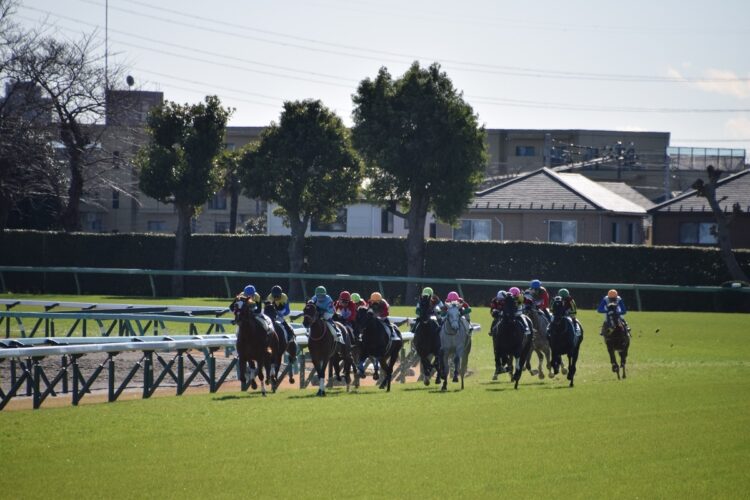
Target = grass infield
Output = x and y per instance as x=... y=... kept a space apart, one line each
x=677 y=427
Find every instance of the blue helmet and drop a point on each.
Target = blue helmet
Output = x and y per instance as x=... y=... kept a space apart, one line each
x=536 y=284
x=249 y=290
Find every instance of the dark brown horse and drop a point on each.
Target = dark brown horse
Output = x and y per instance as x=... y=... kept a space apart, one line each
x=257 y=347
x=512 y=345
x=287 y=342
x=563 y=339
x=323 y=346
x=617 y=338
x=376 y=341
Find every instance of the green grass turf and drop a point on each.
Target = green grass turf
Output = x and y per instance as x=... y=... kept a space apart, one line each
x=677 y=427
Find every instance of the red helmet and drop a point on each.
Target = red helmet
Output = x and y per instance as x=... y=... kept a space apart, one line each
x=345 y=296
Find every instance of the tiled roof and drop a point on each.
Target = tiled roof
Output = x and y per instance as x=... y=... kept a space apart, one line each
x=544 y=189
x=736 y=189
x=628 y=193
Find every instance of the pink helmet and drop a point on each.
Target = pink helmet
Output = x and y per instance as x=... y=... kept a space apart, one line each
x=514 y=291
x=452 y=297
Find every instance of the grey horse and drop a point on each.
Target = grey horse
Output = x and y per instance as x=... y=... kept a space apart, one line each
x=455 y=339
x=539 y=342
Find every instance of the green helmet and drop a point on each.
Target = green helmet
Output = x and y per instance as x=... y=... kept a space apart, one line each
x=321 y=290
x=564 y=293
x=427 y=291
x=356 y=298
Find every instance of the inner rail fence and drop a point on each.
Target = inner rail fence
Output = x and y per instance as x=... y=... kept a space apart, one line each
x=735 y=289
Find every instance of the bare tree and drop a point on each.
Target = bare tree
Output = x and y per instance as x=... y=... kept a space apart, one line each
x=723 y=220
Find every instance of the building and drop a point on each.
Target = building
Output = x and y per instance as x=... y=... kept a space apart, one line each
x=545 y=205
x=689 y=220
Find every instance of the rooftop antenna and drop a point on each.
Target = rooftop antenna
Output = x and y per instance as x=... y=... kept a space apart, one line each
x=106 y=45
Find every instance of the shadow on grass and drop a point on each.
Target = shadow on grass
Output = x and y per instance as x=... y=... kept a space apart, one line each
x=333 y=393
x=241 y=395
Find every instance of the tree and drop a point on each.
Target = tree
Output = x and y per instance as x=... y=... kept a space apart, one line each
x=424 y=150
x=307 y=166
x=178 y=165
x=723 y=220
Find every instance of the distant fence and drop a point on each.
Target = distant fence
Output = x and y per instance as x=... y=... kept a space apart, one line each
x=719 y=292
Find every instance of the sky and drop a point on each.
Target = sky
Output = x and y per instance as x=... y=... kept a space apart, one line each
x=653 y=65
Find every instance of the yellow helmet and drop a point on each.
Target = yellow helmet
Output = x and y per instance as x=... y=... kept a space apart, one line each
x=376 y=297
x=612 y=294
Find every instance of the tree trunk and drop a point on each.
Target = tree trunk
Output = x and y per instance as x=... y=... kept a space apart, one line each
x=70 y=217
x=233 y=202
x=184 y=214
x=725 y=242
x=415 y=245
x=297 y=254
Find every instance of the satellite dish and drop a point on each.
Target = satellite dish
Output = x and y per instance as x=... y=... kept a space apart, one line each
x=130 y=81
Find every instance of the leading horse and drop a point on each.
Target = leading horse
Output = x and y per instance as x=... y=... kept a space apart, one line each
x=257 y=345
x=539 y=340
x=455 y=338
x=563 y=339
x=323 y=346
x=376 y=341
x=426 y=343
x=513 y=345
x=616 y=338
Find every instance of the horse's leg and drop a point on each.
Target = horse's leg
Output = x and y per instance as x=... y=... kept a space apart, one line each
x=252 y=374
x=456 y=365
x=243 y=372
x=612 y=359
x=540 y=371
x=375 y=369
x=320 y=368
x=624 y=357
x=548 y=357
x=261 y=378
x=331 y=363
x=292 y=352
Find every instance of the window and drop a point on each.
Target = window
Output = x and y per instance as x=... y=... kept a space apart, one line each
x=337 y=226
x=631 y=233
x=115 y=198
x=473 y=229
x=700 y=233
x=155 y=226
x=218 y=202
x=221 y=226
x=433 y=229
x=525 y=151
x=386 y=221
x=615 y=232
x=563 y=231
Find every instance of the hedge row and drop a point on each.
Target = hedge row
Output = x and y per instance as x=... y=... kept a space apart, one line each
x=363 y=256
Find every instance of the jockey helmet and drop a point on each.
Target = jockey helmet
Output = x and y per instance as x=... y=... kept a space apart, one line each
x=536 y=284
x=564 y=293
x=320 y=291
x=356 y=297
x=501 y=294
x=249 y=290
x=427 y=292
x=452 y=297
x=612 y=294
x=345 y=296
x=514 y=291
x=276 y=291
x=376 y=297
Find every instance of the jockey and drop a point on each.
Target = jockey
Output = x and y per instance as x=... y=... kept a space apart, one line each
x=613 y=297
x=463 y=307
x=324 y=303
x=569 y=306
x=346 y=308
x=280 y=302
x=540 y=297
x=253 y=299
x=428 y=305
x=516 y=304
x=379 y=307
x=496 y=308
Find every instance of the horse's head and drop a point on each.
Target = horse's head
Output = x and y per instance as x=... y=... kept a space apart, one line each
x=309 y=314
x=613 y=314
x=240 y=308
x=269 y=309
x=558 y=308
x=362 y=316
x=453 y=315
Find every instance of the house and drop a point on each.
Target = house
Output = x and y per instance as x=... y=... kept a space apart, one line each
x=545 y=205
x=358 y=219
x=689 y=220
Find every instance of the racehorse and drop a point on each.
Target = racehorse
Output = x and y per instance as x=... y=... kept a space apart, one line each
x=257 y=346
x=512 y=343
x=617 y=338
x=563 y=339
x=323 y=346
x=539 y=340
x=426 y=343
x=374 y=340
x=455 y=339
x=285 y=346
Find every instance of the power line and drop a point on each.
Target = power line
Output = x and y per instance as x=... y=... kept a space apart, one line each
x=462 y=65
